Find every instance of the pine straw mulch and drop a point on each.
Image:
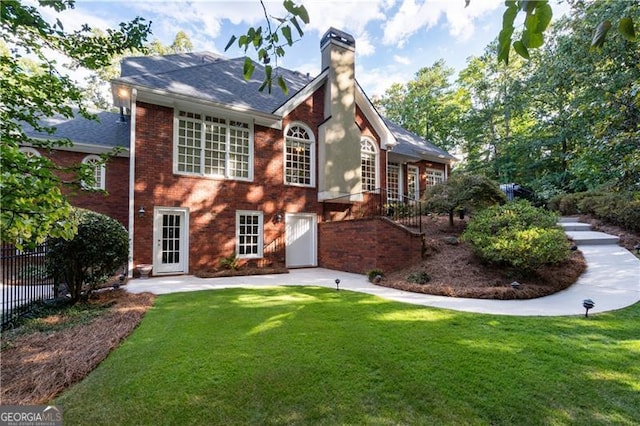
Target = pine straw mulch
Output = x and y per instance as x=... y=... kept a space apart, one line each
x=38 y=366
x=456 y=272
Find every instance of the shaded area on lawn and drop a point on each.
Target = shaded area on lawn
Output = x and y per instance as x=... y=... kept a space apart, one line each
x=316 y=356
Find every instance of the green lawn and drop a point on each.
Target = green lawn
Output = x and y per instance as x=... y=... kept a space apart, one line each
x=316 y=356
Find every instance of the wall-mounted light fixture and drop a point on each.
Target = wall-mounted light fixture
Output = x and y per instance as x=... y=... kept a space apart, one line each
x=121 y=98
x=141 y=211
x=278 y=217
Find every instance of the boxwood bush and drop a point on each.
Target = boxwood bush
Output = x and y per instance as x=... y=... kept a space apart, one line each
x=519 y=235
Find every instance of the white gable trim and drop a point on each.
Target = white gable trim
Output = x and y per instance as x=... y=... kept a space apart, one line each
x=170 y=99
x=387 y=140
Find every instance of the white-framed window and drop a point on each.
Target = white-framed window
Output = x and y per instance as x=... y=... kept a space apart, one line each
x=434 y=176
x=98 y=168
x=394 y=191
x=413 y=182
x=299 y=156
x=369 y=164
x=212 y=146
x=29 y=152
x=249 y=234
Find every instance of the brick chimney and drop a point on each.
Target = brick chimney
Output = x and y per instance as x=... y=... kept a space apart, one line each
x=339 y=137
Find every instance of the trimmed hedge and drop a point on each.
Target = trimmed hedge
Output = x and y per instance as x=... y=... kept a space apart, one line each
x=616 y=208
x=519 y=235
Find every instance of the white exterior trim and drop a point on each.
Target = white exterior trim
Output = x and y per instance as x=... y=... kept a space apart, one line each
x=260 y=243
x=184 y=239
x=132 y=180
x=171 y=99
x=312 y=160
x=174 y=152
x=102 y=184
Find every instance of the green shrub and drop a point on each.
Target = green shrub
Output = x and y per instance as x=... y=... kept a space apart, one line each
x=372 y=274
x=95 y=254
x=421 y=277
x=630 y=216
x=517 y=234
x=230 y=262
x=569 y=203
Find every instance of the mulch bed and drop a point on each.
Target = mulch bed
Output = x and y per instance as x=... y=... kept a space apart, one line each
x=38 y=366
x=456 y=272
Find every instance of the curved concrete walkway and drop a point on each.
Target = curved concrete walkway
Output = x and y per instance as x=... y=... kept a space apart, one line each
x=612 y=281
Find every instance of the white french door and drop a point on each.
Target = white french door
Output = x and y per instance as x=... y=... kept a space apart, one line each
x=171 y=240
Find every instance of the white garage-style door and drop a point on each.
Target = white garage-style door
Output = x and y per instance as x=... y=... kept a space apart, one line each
x=301 y=233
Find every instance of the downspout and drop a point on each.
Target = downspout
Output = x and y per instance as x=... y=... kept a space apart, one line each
x=132 y=172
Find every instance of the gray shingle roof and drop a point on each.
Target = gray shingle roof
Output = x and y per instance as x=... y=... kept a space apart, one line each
x=211 y=77
x=412 y=145
x=134 y=65
x=216 y=80
x=108 y=132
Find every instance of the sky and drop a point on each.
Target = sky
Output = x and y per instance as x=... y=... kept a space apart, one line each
x=394 y=38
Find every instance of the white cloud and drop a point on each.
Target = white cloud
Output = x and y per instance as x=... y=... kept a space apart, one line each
x=375 y=81
x=413 y=16
x=350 y=16
x=402 y=59
x=364 y=46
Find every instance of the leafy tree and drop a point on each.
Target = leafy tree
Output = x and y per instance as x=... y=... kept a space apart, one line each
x=538 y=14
x=462 y=192
x=32 y=204
x=268 y=42
x=92 y=256
x=428 y=105
x=181 y=43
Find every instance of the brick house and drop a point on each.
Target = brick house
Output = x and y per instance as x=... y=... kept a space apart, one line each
x=216 y=167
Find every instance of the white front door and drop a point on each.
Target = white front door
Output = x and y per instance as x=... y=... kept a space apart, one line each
x=171 y=240
x=301 y=235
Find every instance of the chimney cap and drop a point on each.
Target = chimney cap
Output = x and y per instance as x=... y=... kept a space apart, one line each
x=338 y=35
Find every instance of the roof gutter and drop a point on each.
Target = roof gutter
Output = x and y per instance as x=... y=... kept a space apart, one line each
x=168 y=99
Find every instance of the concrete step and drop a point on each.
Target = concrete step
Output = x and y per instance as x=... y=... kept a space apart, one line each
x=570 y=219
x=587 y=238
x=575 y=226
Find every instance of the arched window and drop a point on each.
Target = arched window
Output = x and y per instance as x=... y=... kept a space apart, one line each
x=299 y=156
x=98 y=172
x=369 y=164
x=29 y=152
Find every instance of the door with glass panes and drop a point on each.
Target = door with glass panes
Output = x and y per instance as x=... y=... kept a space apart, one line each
x=171 y=246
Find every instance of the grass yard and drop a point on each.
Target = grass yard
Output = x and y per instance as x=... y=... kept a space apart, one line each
x=310 y=355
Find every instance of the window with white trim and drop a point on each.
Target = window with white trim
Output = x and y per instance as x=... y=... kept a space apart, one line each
x=213 y=147
x=413 y=182
x=249 y=234
x=369 y=164
x=29 y=152
x=433 y=176
x=393 y=182
x=299 y=155
x=98 y=168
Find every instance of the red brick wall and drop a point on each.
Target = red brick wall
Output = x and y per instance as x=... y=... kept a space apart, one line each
x=116 y=202
x=213 y=203
x=362 y=245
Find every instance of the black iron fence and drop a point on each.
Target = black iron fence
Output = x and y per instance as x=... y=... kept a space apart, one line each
x=377 y=203
x=24 y=281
